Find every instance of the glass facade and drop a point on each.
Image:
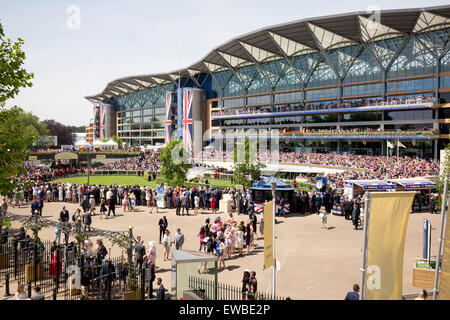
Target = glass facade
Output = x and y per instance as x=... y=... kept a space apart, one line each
x=384 y=63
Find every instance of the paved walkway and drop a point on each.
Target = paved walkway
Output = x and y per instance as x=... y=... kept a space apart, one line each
x=315 y=263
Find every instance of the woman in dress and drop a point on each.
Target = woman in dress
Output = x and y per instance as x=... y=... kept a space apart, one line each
x=60 y=193
x=247 y=236
x=103 y=209
x=152 y=252
x=132 y=201
x=125 y=201
x=148 y=197
x=228 y=241
x=245 y=284
x=167 y=242
x=240 y=240
x=213 y=205
x=221 y=250
x=201 y=235
x=20 y=293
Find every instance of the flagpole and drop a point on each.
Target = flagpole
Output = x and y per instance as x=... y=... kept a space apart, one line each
x=364 y=247
x=274 y=192
x=441 y=237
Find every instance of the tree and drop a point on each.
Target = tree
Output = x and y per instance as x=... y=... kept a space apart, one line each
x=13 y=76
x=242 y=166
x=80 y=129
x=63 y=132
x=15 y=136
x=14 y=141
x=175 y=162
x=117 y=140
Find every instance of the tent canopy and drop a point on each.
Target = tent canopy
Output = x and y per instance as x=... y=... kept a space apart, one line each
x=414 y=183
x=98 y=143
x=111 y=143
x=372 y=184
x=266 y=184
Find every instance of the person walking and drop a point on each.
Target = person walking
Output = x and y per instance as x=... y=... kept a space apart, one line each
x=179 y=240
x=355 y=215
x=162 y=227
x=167 y=242
x=103 y=209
x=112 y=206
x=178 y=204
x=160 y=292
x=353 y=295
x=139 y=253
x=220 y=253
x=324 y=217
x=87 y=221
x=58 y=230
x=184 y=204
x=348 y=208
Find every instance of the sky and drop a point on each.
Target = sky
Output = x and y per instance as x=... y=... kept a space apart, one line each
x=76 y=47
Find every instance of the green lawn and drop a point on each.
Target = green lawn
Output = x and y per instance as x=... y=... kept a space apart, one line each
x=135 y=180
x=111 y=180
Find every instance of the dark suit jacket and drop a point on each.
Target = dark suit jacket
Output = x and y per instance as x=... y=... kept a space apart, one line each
x=139 y=251
x=352 y=296
x=38 y=296
x=160 y=295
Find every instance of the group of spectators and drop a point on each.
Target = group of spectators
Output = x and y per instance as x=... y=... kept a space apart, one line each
x=146 y=161
x=326 y=105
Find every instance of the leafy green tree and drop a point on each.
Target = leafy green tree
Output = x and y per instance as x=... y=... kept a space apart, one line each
x=14 y=141
x=117 y=140
x=15 y=135
x=13 y=76
x=175 y=162
x=242 y=165
x=445 y=169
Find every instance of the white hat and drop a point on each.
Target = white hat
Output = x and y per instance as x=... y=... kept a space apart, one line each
x=206 y=239
x=246 y=270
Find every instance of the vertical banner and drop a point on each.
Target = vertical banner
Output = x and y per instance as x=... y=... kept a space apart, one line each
x=168 y=125
x=388 y=220
x=187 y=119
x=268 y=235
x=160 y=197
x=444 y=287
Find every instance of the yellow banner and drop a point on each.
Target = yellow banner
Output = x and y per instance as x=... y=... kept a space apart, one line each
x=388 y=219
x=444 y=286
x=268 y=235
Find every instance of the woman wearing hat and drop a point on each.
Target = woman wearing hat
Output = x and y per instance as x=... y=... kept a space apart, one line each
x=152 y=252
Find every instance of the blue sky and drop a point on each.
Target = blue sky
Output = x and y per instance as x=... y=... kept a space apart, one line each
x=123 y=38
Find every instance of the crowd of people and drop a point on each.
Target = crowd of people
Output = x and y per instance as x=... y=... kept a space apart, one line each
x=146 y=161
x=326 y=105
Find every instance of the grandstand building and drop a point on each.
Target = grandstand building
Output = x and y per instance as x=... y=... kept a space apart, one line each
x=356 y=82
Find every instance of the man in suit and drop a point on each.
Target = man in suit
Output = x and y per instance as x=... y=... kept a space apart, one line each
x=178 y=204
x=160 y=293
x=139 y=252
x=355 y=215
x=85 y=203
x=353 y=295
x=37 y=294
x=348 y=208
x=101 y=252
x=179 y=240
x=112 y=206
x=184 y=204
x=162 y=227
x=150 y=275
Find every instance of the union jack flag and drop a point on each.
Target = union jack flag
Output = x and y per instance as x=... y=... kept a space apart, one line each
x=102 y=122
x=259 y=207
x=187 y=119
x=95 y=120
x=168 y=117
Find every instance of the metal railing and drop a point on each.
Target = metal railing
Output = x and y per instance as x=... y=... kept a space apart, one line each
x=210 y=290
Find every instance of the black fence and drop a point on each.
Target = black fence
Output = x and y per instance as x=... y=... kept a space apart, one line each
x=112 y=279
x=210 y=290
